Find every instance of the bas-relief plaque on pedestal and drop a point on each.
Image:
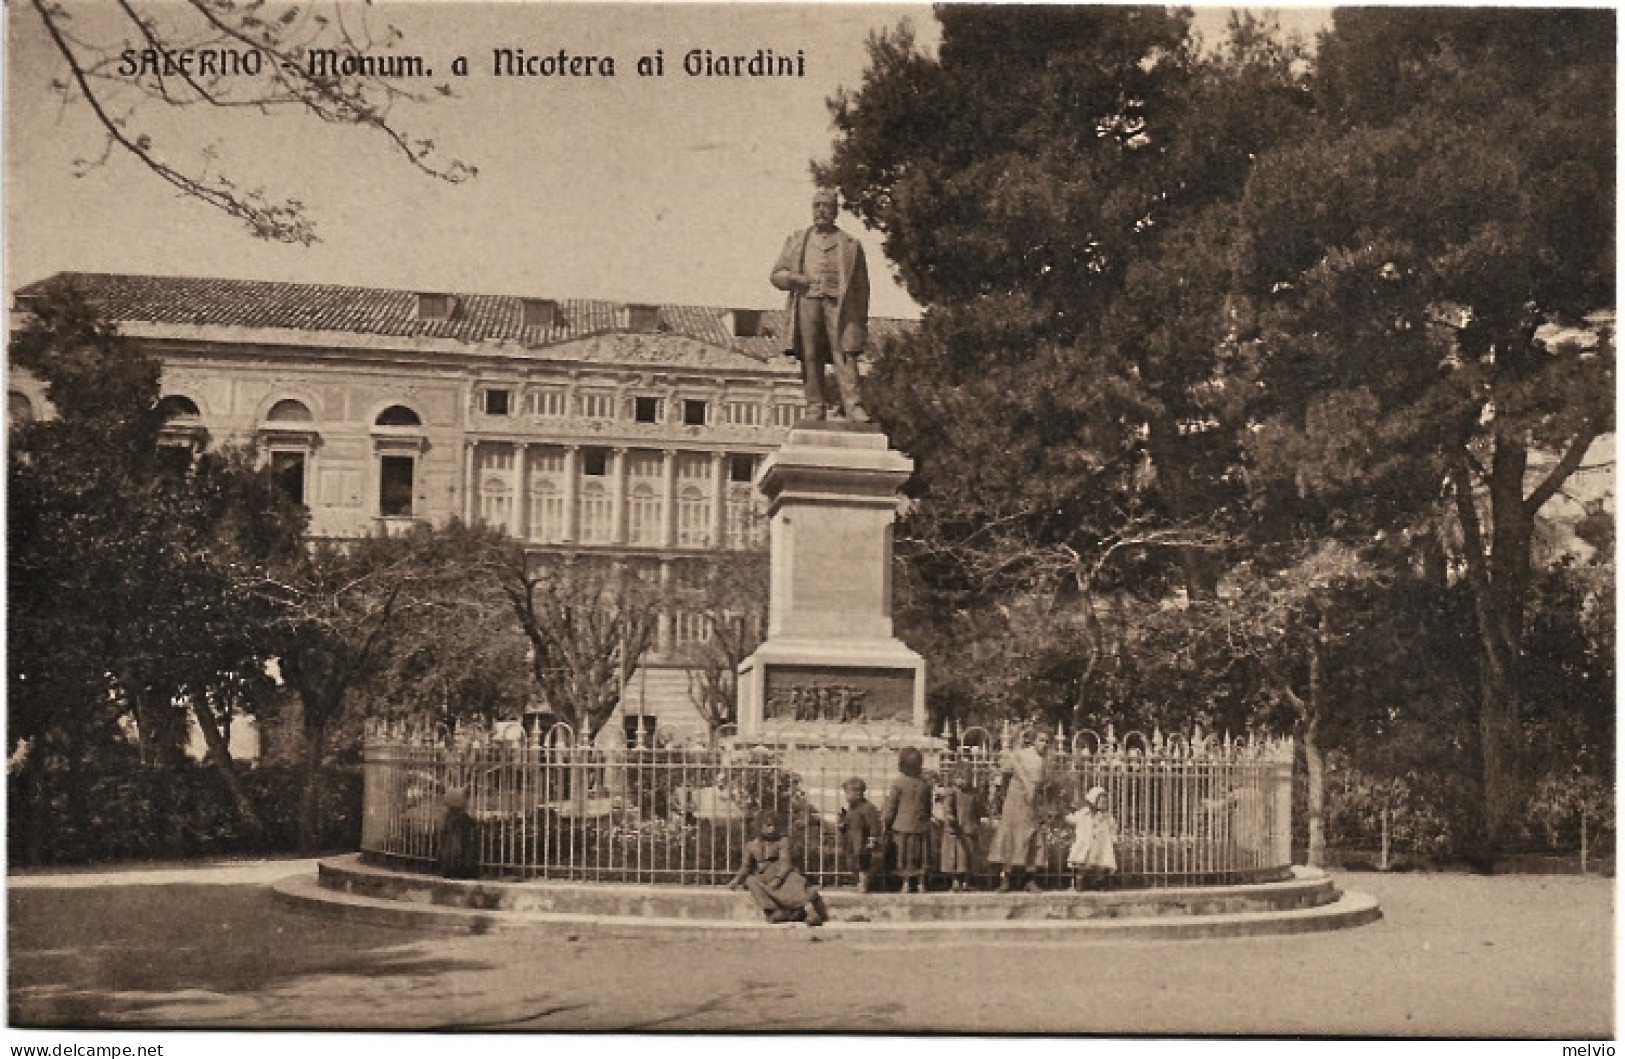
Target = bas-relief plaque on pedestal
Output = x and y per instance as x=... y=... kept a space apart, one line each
x=837 y=694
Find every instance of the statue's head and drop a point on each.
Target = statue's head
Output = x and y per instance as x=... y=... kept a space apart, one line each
x=826 y=205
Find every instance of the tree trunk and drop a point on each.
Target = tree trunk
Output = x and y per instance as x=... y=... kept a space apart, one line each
x=1498 y=571
x=1505 y=786
x=1315 y=763
x=310 y=821
x=1175 y=467
x=220 y=758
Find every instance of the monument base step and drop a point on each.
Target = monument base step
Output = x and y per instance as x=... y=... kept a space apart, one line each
x=304 y=893
x=1308 y=902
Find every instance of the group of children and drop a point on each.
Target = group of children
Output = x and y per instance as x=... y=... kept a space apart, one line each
x=907 y=818
x=904 y=823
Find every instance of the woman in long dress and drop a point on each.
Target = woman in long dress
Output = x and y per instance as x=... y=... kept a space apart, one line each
x=1015 y=842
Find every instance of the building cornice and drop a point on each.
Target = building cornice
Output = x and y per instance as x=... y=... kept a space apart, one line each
x=669 y=355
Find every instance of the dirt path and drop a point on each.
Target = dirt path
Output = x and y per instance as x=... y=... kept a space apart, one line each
x=1454 y=956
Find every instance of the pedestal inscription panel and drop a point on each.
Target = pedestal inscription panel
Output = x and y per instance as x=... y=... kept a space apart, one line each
x=837 y=694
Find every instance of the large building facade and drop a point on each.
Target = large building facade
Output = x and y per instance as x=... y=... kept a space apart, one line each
x=590 y=426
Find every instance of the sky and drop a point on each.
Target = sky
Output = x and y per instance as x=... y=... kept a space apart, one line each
x=675 y=190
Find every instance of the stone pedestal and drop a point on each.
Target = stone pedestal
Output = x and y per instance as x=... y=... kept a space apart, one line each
x=830 y=666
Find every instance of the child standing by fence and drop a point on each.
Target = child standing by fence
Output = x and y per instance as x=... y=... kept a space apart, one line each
x=907 y=817
x=862 y=851
x=960 y=816
x=1093 y=857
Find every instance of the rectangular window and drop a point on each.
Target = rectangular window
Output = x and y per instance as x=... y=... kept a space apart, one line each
x=175 y=459
x=647 y=409
x=597 y=404
x=436 y=306
x=548 y=402
x=741 y=468
x=690 y=629
x=395 y=486
x=497 y=402
x=288 y=472
x=694 y=466
x=493 y=458
x=595 y=462
x=786 y=415
x=742 y=413
x=694 y=413
x=539 y=312
x=546 y=461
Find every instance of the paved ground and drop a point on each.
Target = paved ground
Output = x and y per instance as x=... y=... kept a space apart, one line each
x=1455 y=956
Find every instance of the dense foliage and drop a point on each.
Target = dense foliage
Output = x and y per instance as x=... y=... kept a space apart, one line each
x=1244 y=376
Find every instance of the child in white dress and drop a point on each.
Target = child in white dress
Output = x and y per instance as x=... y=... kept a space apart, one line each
x=1093 y=857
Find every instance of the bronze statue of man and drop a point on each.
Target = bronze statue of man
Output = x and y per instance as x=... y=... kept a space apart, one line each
x=824 y=271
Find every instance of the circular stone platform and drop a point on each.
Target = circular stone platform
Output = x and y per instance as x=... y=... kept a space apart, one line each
x=1307 y=902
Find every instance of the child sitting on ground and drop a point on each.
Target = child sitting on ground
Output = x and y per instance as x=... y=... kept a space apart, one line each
x=861 y=851
x=1093 y=857
x=782 y=893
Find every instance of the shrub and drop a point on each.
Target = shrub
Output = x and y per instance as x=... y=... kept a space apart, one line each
x=128 y=811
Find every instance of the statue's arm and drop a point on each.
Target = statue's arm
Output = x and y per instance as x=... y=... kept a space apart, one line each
x=787 y=276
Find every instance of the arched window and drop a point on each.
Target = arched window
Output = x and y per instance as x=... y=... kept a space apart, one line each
x=596 y=513
x=178 y=406
x=19 y=409
x=546 y=510
x=496 y=501
x=643 y=511
x=546 y=466
x=398 y=415
x=182 y=436
x=645 y=508
x=693 y=518
x=496 y=489
x=289 y=411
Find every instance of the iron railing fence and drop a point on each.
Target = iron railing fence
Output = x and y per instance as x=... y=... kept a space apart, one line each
x=1189 y=812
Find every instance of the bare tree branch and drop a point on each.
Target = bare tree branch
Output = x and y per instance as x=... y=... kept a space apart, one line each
x=1566 y=466
x=285 y=44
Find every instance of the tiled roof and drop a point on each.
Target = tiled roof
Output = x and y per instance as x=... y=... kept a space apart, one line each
x=393 y=313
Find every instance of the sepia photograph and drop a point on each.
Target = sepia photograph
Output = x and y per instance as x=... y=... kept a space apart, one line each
x=790 y=525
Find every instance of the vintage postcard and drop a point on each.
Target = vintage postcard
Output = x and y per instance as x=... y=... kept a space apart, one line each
x=827 y=520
